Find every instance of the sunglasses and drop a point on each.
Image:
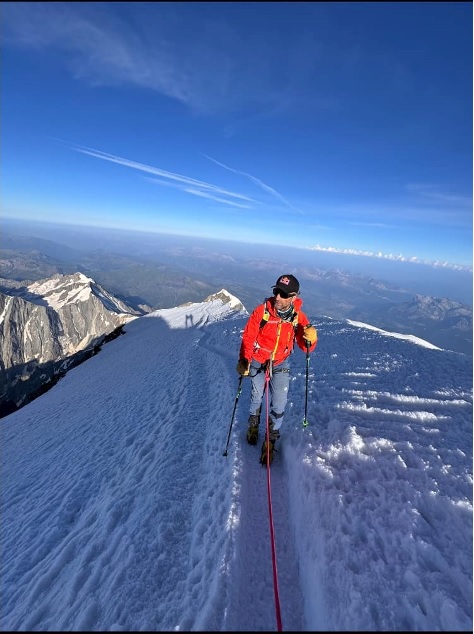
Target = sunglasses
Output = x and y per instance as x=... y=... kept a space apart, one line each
x=282 y=294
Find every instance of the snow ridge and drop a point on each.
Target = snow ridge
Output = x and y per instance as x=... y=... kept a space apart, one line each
x=412 y=338
x=120 y=513
x=216 y=307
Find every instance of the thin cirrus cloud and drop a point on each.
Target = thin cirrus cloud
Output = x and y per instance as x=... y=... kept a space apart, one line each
x=184 y=183
x=211 y=72
x=220 y=200
x=104 y=50
x=258 y=182
x=377 y=225
x=434 y=195
x=195 y=192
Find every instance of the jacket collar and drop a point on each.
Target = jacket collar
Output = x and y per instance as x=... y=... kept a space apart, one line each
x=270 y=303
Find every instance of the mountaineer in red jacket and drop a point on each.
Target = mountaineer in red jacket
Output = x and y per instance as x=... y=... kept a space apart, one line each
x=269 y=335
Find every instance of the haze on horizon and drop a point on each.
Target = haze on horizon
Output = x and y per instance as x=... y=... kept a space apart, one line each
x=431 y=279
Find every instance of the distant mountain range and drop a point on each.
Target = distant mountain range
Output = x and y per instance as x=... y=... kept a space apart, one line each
x=166 y=273
x=140 y=281
x=49 y=326
x=441 y=321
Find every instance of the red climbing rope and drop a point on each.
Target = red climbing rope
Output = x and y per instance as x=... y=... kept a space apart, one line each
x=270 y=511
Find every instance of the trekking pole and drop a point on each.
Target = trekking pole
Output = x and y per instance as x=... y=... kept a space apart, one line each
x=239 y=390
x=305 y=420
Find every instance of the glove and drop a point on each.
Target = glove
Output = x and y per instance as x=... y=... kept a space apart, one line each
x=243 y=367
x=310 y=334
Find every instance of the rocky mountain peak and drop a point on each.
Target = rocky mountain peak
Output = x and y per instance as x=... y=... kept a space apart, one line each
x=227 y=298
x=46 y=325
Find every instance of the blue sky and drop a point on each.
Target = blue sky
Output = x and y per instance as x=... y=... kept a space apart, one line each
x=343 y=125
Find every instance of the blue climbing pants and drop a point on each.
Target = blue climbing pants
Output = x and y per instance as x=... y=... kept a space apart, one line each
x=279 y=384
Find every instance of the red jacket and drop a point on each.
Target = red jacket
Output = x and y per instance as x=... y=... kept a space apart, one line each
x=276 y=336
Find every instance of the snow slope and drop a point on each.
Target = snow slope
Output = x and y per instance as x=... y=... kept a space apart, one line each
x=120 y=512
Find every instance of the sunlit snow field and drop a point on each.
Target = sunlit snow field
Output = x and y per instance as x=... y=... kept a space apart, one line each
x=120 y=512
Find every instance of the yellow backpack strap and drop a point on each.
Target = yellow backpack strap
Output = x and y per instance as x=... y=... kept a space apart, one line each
x=277 y=341
x=265 y=316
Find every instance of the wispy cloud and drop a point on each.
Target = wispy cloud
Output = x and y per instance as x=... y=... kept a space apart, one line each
x=196 y=192
x=258 y=182
x=435 y=195
x=390 y=256
x=185 y=183
x=203 y=62
x=100 y=47
x=377 y=225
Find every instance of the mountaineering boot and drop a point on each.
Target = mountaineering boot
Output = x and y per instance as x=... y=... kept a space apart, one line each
x=252 y=431
x=274 y=433
x=274 y=436
x=263 y=455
